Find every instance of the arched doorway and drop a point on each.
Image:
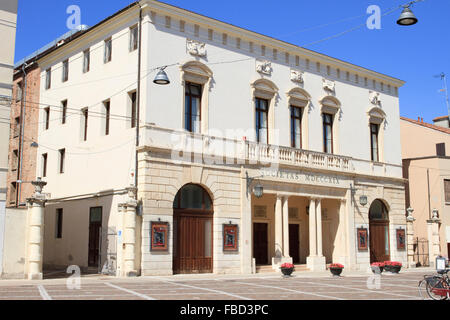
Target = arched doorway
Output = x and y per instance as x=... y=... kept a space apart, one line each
x=379 y=232
x=193 y=234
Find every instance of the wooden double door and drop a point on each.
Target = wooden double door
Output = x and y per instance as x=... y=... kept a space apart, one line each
x=193 y=243
x=379 y=241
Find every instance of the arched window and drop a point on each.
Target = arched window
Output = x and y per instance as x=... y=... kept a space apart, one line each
x=193 y=197
x=378 y=211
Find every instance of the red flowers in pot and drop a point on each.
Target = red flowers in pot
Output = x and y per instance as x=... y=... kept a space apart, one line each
x=287 y=268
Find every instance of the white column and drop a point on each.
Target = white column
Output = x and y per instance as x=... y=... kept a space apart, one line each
x=129 y=222
x=410 y=238
x=286 y=228
x=278 y=227
x=319 y=227
x=35 y=239
x=350 y=230
x=341 y=255
x=312 y=228
x=245 y=232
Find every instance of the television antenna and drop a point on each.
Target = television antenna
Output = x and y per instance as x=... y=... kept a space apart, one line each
x=443 y=77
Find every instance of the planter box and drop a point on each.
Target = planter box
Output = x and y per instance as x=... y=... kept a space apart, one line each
x=392 y=269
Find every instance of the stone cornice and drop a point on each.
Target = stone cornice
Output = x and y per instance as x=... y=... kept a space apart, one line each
x=258 y=38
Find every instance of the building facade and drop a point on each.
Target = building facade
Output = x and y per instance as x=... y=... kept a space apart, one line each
x=248 y=158
x=8 y=15
x=427 y=168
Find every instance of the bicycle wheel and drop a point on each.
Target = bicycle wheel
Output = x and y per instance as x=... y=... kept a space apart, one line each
x=436 y=288
x=423 y=293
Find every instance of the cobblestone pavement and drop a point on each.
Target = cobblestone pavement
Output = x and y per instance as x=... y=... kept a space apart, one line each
x=303 y=286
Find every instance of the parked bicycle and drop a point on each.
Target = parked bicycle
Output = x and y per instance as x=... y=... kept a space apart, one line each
x=437 y=286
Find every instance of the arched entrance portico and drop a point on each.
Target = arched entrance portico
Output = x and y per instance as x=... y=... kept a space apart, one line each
x=193 y=234
x=379 y=232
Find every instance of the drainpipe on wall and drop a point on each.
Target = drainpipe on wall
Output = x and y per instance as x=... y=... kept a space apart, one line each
x=138 y=97
x=22 y=131
x=429 y=201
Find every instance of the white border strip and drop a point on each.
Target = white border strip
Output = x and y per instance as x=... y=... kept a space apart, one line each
x=44 y=294
x=143 y=296
x=211 y=290
x=291 y=290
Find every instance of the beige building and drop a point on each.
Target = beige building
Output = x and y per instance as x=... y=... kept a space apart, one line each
x=426 y=165
x=8 y=16
x=258 y=152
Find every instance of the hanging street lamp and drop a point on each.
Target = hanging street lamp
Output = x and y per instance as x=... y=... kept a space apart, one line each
x=161 y=78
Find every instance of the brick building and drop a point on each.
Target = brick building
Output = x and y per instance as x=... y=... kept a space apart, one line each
x=24 y=129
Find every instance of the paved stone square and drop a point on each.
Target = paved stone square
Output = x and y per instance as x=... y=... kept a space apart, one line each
x=271 y=286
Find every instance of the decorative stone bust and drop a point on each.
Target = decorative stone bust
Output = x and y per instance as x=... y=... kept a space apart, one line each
x=196 y=48
x=264 y=67
x=328 y=85
x=296 y=76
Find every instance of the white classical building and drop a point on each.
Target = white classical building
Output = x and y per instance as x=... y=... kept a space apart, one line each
x=258 y=152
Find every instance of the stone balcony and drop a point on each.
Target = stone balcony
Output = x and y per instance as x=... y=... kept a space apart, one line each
x=186 y=146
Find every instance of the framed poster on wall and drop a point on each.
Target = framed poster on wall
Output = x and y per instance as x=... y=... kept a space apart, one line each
x=159 y=232
x=362 y=238
x=230 y=237
x=401 y=239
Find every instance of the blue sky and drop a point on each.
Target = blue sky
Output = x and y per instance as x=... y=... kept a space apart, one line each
x=414 y=54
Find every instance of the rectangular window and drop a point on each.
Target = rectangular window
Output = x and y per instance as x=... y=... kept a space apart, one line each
x=182 y=25
x=261 y=113
x=447 y=190
x=374 y=141
x=347 y=76
x=192 y=107
x=250 y=46
x=297 y=61
x=197 y=30
x=107 y=106
x=19 y=91
x=275 y=54
x=12 y=192
x=440 y=149
x=59 y=223
x=62 y=160
x=210 y=34
x=133 y=109
x=63 y=111
x=238 y=43
x=168 y=22
x=338 y=72
x=328 y=70
x=15 y=160
x=48 y=78
x=108 y=50
x=86 y=60
x=65 y=70
x=296 y=127
x=134 y=35
x=224 y=39
x=85 y=114
x=47 y=117
x=16 y=130
x=44 y=165
x=318 y=66
x=327 y=133
x=263 y=50
x=286 y=57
